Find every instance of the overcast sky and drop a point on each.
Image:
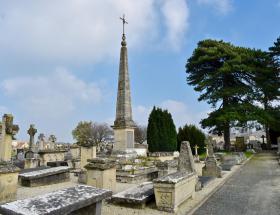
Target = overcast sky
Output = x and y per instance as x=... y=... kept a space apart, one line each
x=59 y=59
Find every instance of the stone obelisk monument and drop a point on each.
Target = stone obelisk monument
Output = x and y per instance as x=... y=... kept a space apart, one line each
x=123 y=124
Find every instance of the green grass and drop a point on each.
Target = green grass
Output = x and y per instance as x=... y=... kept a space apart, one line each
x=248 y=154
x=202 y=156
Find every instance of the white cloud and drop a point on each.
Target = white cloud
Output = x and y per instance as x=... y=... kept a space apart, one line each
x=223 y=6
x=181 y=113
x=176 y=14
x=52 y=96
x=79 y=31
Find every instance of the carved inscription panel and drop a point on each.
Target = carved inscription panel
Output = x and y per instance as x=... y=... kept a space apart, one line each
x=165 y=198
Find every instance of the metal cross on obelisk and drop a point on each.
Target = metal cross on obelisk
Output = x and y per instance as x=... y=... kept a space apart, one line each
x=124 y=22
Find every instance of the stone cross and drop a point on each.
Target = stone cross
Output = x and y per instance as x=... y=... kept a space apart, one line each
x=124 y=22
x=8 y=131
x=31 y=131
x=186 y=162
x=196 y=147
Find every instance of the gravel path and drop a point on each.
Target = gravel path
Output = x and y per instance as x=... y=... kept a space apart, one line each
x=253 y=190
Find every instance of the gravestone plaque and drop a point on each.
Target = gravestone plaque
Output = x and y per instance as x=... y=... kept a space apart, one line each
x=240 y=144
x=130 y=139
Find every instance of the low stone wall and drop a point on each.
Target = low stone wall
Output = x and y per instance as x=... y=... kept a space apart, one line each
x=45 y=177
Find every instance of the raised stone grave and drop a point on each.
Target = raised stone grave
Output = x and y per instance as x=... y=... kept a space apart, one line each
x=78 y=200
x=241 y=156
x=175 y=188
x=101 y=173
x=8 y=181
x=45 y=176
x=136 y=196
x=228 y=161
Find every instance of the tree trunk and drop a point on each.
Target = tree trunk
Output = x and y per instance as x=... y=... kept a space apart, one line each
x=226 y=125
x=227 y=136
x=268 y=140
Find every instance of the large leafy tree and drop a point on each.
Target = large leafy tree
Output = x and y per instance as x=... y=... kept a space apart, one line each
x=161 y=131
x=217 y=71
x=192 y=134
x=89 y=133
x=140 y=134
x=266 y=84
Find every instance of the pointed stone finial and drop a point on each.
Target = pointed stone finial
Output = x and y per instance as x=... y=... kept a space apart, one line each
x=186 y=161
x=123 y=111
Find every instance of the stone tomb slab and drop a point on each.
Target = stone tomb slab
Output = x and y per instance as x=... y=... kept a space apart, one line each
x=136 y=196
x=205 y=180
x=227 y=166
x=45 y=176
x=77 y=200
x=174 y=189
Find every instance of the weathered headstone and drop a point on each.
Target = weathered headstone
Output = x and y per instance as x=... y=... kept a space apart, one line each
x=101 y=173
x=31 y=131
x=240 y=144
x=186 y=162
x=211 y=167
x=8 y=171
x=31 y=158
x=8 y=130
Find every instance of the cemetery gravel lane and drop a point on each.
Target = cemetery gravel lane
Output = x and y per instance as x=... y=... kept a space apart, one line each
x=253 y=190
